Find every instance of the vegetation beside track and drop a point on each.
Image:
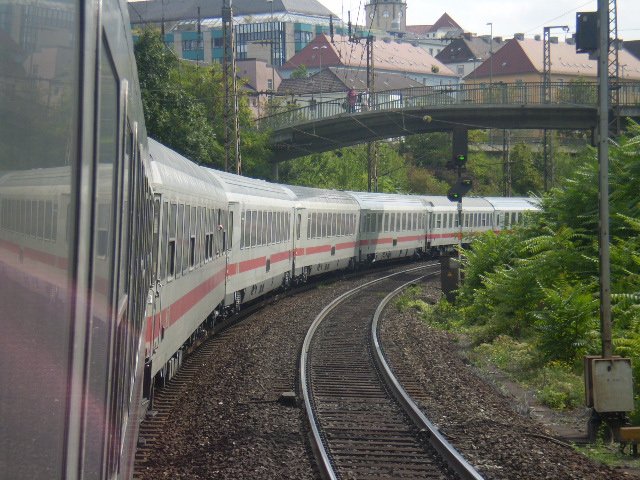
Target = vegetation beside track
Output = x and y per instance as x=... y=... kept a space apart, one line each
x=530 y=300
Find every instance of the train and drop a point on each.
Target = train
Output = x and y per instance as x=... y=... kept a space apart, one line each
x=117 y=253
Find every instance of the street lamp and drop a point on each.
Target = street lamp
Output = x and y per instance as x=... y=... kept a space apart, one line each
x=474 y=60
x=319 y=49
x=490 y=55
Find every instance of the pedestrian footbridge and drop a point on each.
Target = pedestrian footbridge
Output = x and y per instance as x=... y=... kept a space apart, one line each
x=396 y=113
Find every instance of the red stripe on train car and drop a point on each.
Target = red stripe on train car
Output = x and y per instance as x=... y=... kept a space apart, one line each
x=318 y=249
x=299 y=252
x=442 y=235
x=185 y=303
x=346 y=245
x=364 y=242
x=232 y=269
x=379 y=241
x=279 y=257
x=411 y=238
x=248 y=265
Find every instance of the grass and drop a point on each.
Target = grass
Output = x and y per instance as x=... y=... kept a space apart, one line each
x=610 y=454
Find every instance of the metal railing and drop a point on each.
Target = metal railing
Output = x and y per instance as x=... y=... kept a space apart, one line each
x=497 y=94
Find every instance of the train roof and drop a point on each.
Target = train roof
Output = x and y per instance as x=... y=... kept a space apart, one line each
x=175 y=172
x=315 y=196
x=237 y=187
x=388 y=201
x=478 y=204
x=513 y=203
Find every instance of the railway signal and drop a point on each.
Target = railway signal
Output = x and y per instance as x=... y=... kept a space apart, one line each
x=460 y=189
x=460 y=155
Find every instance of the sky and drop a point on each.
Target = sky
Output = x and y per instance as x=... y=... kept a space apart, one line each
x=508 y=16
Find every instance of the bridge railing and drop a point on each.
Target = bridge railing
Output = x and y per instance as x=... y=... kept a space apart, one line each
x=521 y=93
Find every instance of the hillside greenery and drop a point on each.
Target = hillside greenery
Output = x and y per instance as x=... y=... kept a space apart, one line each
x=183 y=106
x=531 y=299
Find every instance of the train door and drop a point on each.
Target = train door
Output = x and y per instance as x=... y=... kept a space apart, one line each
x=301 y=232
x=160 y=219
x=234 y=241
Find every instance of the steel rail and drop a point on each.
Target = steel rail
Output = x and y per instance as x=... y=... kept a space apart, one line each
x=324 y=462
x=453 y=458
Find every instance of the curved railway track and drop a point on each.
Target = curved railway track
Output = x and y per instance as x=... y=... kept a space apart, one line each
x=360 y=429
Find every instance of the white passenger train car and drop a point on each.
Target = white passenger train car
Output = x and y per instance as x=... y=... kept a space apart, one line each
x=260 y=233
x=477 y=217
x=510 y=211
x=391 y=226
x=190 y=250
x=326 y=235
x=443 y=229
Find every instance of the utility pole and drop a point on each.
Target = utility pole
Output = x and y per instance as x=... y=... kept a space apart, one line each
x=614 y=64
x=231 y=117
x=506 y=161
x=372 y=148
x=546 y=87
x=603 y=162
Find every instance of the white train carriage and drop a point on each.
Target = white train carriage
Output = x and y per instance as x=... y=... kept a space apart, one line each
x=190 y=248
x=326 y=233
x=477 y=217
x=391 y=226
x=510 y=211
x=443 y=229
x=260 y=250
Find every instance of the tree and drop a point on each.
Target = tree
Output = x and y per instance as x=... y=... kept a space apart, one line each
x=300 y=72
x=184 y=104
x=173 y=116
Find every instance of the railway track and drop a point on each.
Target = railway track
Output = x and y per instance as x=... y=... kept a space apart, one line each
x=363 y=424
x=168 y=397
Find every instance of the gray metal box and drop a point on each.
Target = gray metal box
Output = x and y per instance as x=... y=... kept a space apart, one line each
x=612 y=382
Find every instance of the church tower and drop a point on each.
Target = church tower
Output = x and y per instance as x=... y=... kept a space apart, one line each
x=387 y=15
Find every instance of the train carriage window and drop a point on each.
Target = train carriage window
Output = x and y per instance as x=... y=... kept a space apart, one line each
x=192 y=237
x=288 y=225
x=186 y=239
x=276 y=227
x=269 y=227
x=220 y=228
x=309 y=225
x=254 y=225
x=230 y=231
x=325 y=224
x=48 y=220
x=439 y=221
x=244 y=229
x=398 y=221
x=171 y=252
x=259 y=228
x=298 y=225
x=179 y=237
x=199 y=233
x=403 y=226
x=312 y=224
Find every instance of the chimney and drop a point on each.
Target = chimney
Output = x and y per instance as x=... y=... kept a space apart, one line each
x=553 y=39
x=519 y=36
x=497 y=39
x=537 y=38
